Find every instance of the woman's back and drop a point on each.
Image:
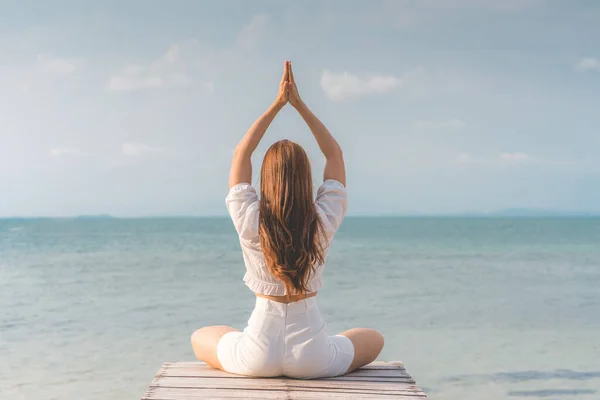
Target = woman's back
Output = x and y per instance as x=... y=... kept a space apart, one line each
x=243 y=205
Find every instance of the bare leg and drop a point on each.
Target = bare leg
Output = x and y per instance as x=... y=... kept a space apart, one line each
x=367 y=346
x=205 y=341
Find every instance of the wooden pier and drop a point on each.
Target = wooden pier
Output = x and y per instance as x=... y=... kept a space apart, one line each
x=195 y=381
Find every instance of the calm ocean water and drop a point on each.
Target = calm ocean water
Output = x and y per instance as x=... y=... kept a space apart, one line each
x=476 y=308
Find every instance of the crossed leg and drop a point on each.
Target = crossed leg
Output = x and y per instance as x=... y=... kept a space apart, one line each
x=205 y=341
x=368 y=343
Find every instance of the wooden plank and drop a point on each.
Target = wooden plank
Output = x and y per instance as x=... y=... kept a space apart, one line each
x=203 y=367
x=276 y=388
x=224 y=380
x=369 y=379
x=210 y=372
x=384 y=364
x=180 y=394
x=355 y=396
x=276 y=383
x=373 y=365
x=161 y=393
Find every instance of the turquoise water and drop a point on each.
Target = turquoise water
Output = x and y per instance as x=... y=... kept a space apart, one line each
x=476 y=308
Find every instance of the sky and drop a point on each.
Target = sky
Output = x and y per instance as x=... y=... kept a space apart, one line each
x=133 y=108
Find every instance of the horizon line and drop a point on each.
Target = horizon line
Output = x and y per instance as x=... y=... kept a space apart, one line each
x=474 y=214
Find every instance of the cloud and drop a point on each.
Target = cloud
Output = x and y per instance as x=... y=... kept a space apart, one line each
x=463 y=158
x=588 y=64
x=514 y=157
x=55 y=66
x=454 y=123
x=345 y=86
x=248 y=38
x=167 y=71
x=190 y=62
x=59 y=152
x=136 y=149
x=466 y=158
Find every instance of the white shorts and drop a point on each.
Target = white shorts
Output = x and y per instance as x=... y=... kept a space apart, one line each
x=285 y=340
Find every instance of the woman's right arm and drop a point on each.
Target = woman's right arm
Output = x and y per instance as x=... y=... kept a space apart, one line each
x=334 y=159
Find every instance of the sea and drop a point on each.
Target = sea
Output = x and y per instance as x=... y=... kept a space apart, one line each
x=477 y=308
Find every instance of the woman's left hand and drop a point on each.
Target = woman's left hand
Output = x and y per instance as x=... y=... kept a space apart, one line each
x=282 y=95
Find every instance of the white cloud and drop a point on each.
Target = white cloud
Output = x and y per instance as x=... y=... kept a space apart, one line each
x=453 y=123
x=169 y=70
x=55 y=65
x=514 y=157
x=466 y=158
x=463 y=158
x=588 y=64
x=136 y=149
x=345 y=86
x=190 y=62
x=248 y=38
x=58 y=152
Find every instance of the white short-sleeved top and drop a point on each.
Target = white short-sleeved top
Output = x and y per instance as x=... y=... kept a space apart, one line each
x=243 y=206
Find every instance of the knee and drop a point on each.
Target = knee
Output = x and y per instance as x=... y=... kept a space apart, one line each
x=199 y=336
x=375 y=346
x=374 y=337
x=378 y=340
x=196 y=341
x=196 y=335
x=206 y=335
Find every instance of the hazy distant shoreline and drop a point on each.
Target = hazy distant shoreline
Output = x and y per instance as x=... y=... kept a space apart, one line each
x=508 y=213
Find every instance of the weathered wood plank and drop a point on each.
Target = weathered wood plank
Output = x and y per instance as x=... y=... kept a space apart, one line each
x=206 y=372
x=160 y=393
x=253 y=382
x=400 y=389
x=204 y=367
x=224 y=380
x=180 y=394
x=195 y=380
x=280 y=384
x=373 y=365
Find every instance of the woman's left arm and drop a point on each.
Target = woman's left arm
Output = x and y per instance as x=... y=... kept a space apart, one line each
x=241 y=166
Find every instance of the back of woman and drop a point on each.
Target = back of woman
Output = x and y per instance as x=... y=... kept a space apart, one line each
x=285 y=236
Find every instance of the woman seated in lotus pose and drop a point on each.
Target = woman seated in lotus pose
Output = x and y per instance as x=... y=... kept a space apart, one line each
x=285 y=235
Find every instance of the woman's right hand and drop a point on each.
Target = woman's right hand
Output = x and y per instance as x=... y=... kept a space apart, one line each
x=293 y=95
x=282 y=94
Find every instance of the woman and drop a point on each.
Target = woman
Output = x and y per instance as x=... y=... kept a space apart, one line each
x=284 y=238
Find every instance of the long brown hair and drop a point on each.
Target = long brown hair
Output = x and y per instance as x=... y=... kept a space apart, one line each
x=289 y=228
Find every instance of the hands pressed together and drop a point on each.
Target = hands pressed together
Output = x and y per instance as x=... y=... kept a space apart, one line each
x=288 y=91
x=241 y=167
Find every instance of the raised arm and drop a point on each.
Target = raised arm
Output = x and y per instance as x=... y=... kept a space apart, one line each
x=334 y=159
x=241 y=166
